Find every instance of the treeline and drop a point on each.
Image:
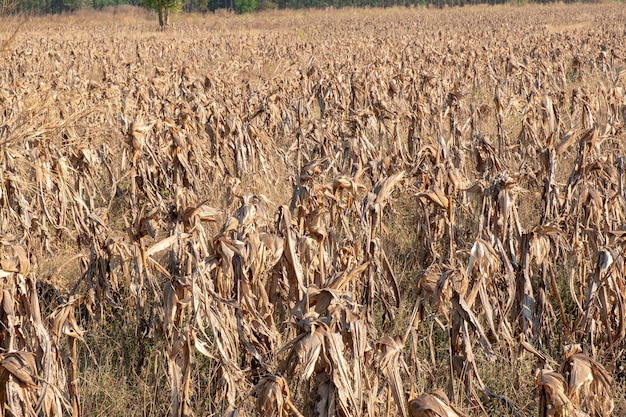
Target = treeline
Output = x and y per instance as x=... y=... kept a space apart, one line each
x=213 y=5
x=242 y=6
x=39 y=7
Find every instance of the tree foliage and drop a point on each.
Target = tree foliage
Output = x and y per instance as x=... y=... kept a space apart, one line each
x=245 y=6
x=164 y=8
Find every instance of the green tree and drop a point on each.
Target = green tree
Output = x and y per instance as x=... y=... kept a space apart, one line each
x=73 y=5
x=245 y=6
x=164 y=8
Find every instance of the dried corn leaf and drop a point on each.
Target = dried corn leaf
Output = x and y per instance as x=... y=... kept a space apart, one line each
x=21 y=365
x=389 y=360
x=553 y=399
x=273 y=398
x=432 y=405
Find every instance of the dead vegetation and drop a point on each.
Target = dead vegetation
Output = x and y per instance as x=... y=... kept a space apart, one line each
x=355 y=214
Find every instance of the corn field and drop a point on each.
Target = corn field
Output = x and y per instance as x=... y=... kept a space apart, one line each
x=402 y=212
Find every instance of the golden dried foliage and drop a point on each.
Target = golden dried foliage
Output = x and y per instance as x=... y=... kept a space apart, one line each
x=308 y=225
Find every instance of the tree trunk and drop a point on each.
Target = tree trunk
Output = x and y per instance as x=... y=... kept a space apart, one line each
x=164 y=17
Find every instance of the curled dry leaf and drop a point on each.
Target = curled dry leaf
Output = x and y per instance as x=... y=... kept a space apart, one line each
x=434 y=404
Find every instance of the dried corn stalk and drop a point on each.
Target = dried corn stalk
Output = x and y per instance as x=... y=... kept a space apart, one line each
x=32 y=374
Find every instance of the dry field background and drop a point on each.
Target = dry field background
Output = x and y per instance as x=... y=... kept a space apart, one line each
x=357 y=213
